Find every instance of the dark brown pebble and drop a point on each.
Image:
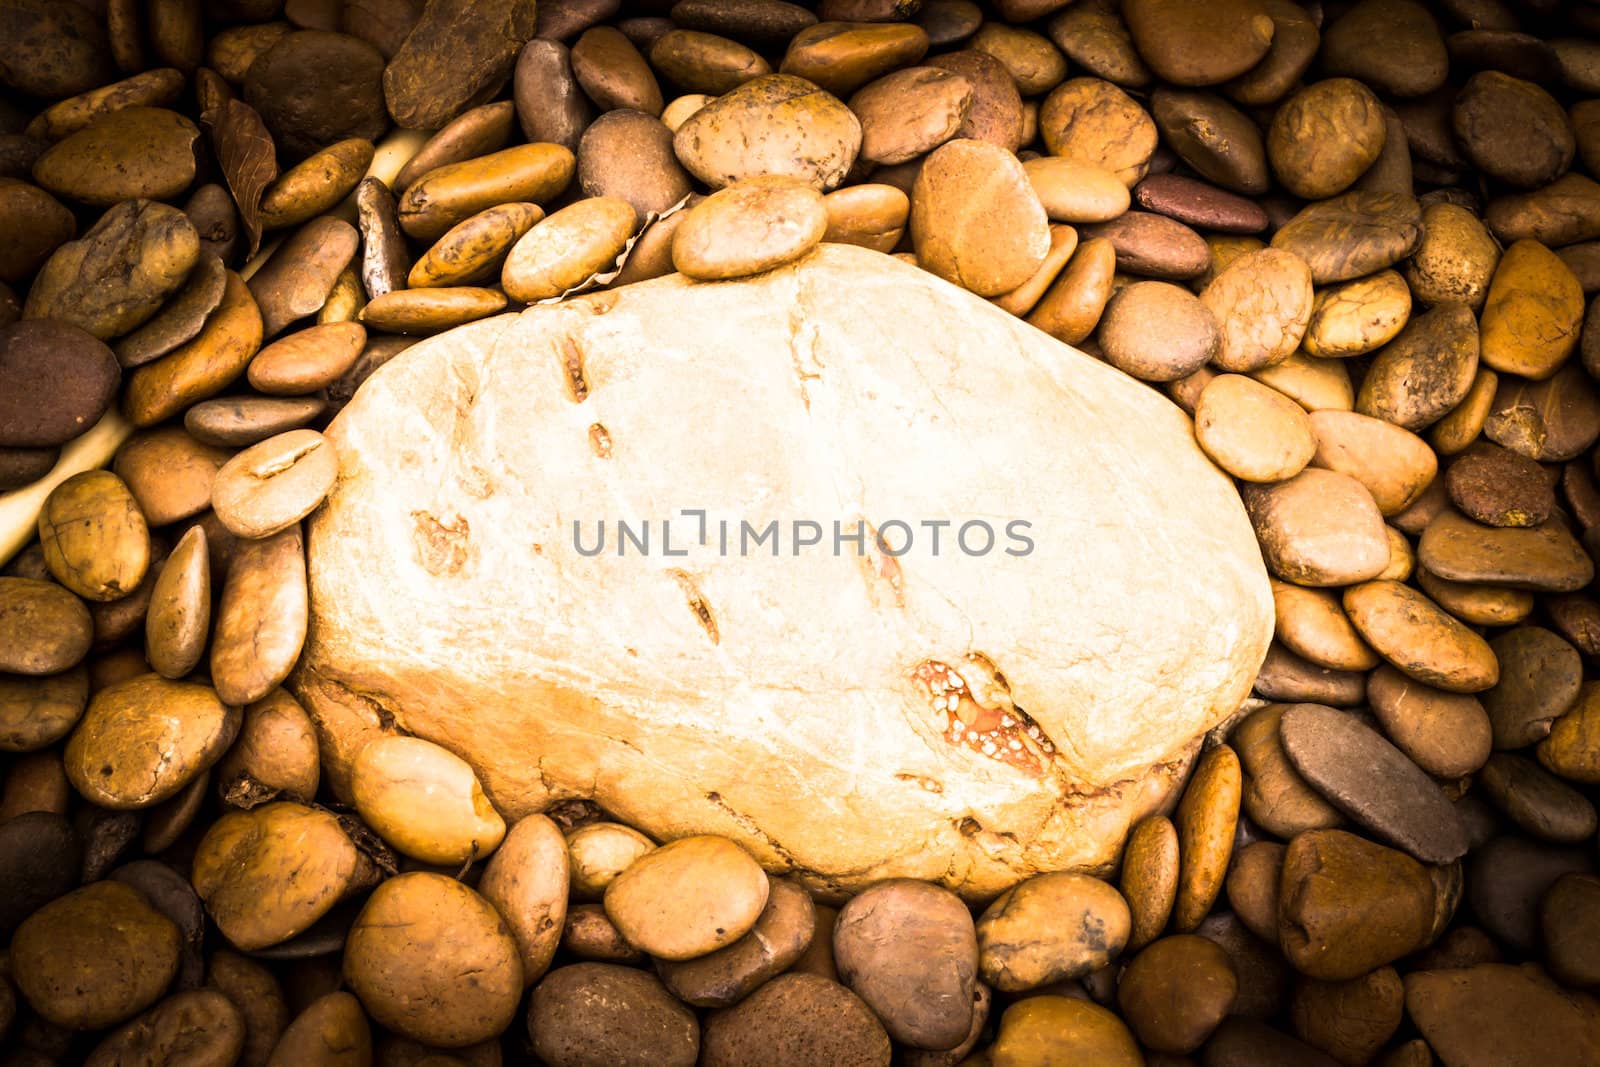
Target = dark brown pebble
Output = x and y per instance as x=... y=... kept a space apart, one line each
x=1539 y=803
x=1153 y=245
x=1372 y=782
x=1240 y=1042
x=1507 y=879
x=1289 y=679
x=1540 y=676
x=238 y=421
x=760 y=23
x=23 y=466
x=1498 y=487
x=1576 y=618
x=1520 y=55
x=313 y=88
x=1198 y=204
x=39 y=861
x=56 y=380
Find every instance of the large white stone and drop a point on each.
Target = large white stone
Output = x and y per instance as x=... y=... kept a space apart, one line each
x=787 y=702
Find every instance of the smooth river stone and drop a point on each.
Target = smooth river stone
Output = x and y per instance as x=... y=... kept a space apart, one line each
x=1318 y=528
x=1372 y=782
x=518 y=425
x=1542 y=558
x=1497 y=1015
x=1421 y=638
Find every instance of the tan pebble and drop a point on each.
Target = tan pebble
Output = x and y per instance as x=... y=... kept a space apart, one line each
x=1072 y=191
x=425 y=801
x=1356 y=317
x=169 y=473
x=202 y=367
x=1314 y=384
x=1252 y=431
x=95 y=539
x=870 y=215
x=1056 y=1029
x=749 y=227
x=975 y=219
x=425 y=311
x=600 y=851
x=1048 y=928
x=1532 y=313
x=454 y=192
x=1091 y=121
x=1312 y=624
x=1418 y=637
x=563 y=251
x=1072 y=307
x=1262 y=302
x=261 y=620
x=1319 y=528
x=308 y=360
x=472 y=251
x=1394 y=464
x=178 y=620
x=143 y=740
x=688 y=897
x=1273 y=794
x=1455 y=260
x=273 y=485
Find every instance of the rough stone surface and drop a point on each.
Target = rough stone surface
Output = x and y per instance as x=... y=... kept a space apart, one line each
x=653 y=684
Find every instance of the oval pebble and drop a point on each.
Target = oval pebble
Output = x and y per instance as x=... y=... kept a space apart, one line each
x=1420 y=638
x=749 y=227
x=1372 y=782
x=688 y=897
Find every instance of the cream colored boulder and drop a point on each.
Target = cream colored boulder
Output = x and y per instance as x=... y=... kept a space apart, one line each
x=847 y=711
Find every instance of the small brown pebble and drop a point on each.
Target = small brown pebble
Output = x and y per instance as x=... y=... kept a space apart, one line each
x=1500 y=488
x=796 y=1019
x=1205 y=819
x=1372 y=782
x=1195 y=203
x=1348 y=905
x=1176 y=991
x=1149 y=880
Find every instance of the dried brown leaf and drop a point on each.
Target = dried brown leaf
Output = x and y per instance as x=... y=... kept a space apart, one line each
x=244 y=149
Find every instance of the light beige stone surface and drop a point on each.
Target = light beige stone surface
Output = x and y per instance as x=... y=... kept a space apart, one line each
x=786 y=702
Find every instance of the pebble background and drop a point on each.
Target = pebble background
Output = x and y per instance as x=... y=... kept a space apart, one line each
x=1359 y=242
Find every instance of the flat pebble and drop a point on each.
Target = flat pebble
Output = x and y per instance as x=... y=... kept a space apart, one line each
x=1537 y=801
x=1495 y=1014
x=687 y=898
x=1372 y=782
x=1274 y=794
x=797 y=1019
x=1420 y=638
x=1446 y=734
x=1543 y=558
x=1318 y=528
x=1205 y=819
x=1149 y=878
x=749 y=227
